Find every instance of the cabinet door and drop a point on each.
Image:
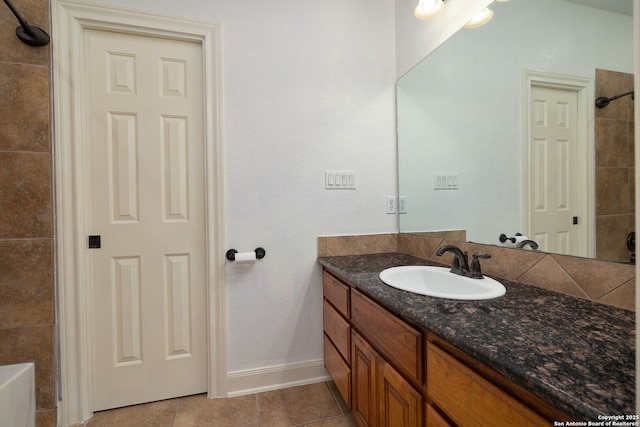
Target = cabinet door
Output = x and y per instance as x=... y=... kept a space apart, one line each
x=400 y=405
x=363 y=374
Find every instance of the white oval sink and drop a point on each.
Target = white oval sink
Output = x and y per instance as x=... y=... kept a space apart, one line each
x=440 y=282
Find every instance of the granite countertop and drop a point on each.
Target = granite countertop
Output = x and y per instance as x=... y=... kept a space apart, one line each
x=576 y=354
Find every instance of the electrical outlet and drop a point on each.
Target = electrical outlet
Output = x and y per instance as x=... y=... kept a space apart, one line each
x=402 y=205
x=392 y=204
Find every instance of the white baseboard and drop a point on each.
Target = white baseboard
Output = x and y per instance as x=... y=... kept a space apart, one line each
x=275 y=377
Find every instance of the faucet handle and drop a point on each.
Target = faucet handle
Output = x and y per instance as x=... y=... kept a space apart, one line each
x=476 y=271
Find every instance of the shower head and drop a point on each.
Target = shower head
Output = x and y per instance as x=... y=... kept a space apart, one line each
x=29 y=34
x=603 y=101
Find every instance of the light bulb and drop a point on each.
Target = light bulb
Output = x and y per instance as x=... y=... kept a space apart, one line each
x=480 y=18
x=427 y=9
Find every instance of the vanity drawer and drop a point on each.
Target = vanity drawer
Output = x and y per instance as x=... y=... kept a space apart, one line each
x=469 y=399
x=396 y=340
x=337 y=293
x=338 y=369
x=337 y=329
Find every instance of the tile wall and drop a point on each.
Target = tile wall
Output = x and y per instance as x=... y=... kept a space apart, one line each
x=27 y=295
x=602 y=281
x=615 y=168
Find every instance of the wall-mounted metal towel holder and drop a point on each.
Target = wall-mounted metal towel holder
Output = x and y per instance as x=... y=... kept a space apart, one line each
x=231 y=254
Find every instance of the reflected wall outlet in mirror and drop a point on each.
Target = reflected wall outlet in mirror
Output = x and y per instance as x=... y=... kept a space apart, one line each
x=402 y=205
x=446 y=181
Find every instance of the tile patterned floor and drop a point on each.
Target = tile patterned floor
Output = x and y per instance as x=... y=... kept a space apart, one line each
x=313 y=405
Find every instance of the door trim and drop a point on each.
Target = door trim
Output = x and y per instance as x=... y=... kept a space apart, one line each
x=584 y=87
x=70 y=19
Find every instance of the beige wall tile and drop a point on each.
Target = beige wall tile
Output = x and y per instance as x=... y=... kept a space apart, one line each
x=612 y=191
x=25 y=195
x=36 y=12
x=601 y=278
x=357 y=245
x=24 y=107
x=615 y=172
x=26 y=282
x=46 y=418
x=612 y=232
x=623 y=296
x=612 y=143
x=548 y=274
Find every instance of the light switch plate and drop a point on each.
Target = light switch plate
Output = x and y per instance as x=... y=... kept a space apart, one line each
x=339 y=180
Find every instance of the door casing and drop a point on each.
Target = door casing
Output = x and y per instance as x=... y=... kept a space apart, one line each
x=70 y=19
x=586 y=152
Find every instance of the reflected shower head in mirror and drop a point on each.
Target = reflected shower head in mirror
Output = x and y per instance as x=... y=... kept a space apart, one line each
x=603 y=101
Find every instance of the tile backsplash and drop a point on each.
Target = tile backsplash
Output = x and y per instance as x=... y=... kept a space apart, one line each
x=602 y=281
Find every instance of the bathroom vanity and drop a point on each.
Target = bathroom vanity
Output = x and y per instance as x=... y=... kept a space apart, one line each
x=528 y=358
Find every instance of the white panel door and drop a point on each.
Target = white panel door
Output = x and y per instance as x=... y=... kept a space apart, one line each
x=145 y=161
x=554 y=180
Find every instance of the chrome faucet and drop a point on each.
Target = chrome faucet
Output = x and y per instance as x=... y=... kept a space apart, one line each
x=529 y=242
x=460 y=263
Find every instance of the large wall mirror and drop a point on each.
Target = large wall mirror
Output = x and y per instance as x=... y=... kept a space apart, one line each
x=468 y=147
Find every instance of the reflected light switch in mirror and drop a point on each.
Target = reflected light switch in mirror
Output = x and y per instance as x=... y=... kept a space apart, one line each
x=446 y=181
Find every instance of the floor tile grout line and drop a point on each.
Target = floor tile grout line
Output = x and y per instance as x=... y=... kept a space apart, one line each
x=175 y=411
x=335 y=398
x=257 y=395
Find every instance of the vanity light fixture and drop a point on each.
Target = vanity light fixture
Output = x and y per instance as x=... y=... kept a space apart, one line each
x=480 y=18
x=427 y=9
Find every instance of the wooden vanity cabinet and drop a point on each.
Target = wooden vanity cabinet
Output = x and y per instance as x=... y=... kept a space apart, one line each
x=365 y=377
x=336 y=307
x=381 y=395
x=400 y=404
x=469 y=399
x=392 y=374
x=393 y=338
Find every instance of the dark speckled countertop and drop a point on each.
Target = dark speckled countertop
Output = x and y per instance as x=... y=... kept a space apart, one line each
x=576 y=354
